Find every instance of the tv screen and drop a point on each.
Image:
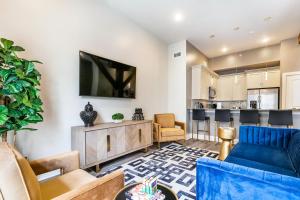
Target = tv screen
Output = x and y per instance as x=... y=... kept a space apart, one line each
x=105 y=78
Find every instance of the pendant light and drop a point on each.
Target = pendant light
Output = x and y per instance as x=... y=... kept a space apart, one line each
x=236 y=76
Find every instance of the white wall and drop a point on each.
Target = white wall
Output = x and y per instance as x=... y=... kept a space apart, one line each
x=290 y=55
x=177 y=80
x=54 y=31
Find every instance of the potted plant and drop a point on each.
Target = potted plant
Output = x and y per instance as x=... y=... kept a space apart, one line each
x=117 y=117
x=19 y=90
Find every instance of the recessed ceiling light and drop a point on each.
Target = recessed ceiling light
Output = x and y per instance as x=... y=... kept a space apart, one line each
x=236 y=28
x=224 y=49
x=240 y=55
x=267 y=19
x=212 y=36
x=265 y=40
x=251 y=32
x=178 y=17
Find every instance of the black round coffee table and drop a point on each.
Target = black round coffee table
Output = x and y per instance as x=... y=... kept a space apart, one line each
x=170 y=195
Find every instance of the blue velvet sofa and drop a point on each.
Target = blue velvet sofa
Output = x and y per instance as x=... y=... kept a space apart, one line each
x=265 y=164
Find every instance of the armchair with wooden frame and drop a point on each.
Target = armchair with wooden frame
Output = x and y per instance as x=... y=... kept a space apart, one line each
x=19 y=178
x=166 y=129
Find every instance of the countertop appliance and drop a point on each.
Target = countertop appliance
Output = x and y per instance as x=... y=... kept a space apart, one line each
x=253 y=104
x=263 y=98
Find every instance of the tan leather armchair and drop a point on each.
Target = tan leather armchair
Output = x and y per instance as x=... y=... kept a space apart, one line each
x=167 y=129
x=19 y=181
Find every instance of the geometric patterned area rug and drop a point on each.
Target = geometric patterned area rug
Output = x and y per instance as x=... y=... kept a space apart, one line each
x=174 y=165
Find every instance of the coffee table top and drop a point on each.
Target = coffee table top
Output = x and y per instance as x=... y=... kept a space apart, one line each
x=170 y=195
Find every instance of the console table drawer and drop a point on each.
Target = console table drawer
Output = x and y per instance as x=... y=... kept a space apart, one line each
x=96 y=146
x=116 y=141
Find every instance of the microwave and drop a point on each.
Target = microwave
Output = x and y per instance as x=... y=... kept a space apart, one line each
x=212 y=92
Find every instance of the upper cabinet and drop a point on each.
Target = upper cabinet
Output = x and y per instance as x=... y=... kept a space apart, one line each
x=263 y=79
x=232 y=88
x=202 y=79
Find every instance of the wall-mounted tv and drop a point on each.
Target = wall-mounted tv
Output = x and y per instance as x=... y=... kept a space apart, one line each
x=105 y=78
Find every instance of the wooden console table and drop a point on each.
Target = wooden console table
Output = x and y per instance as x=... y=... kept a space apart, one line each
x=107 y=141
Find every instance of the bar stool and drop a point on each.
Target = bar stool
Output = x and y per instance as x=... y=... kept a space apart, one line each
x=249 y=117
x=199 y=115
x=281 y=118
x=222 y=115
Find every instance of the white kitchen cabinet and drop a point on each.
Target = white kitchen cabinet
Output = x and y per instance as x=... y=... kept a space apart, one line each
x=232 y=88
x=254 y=80
x=271 y=79
x=290 y=92
x=239 y=88
x=202 y=79
x=263 y=79
x=225 y=88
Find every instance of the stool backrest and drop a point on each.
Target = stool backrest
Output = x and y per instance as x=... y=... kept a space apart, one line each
x=281 y=117
x=249 y=116
x=199 y=114
x=222 y=115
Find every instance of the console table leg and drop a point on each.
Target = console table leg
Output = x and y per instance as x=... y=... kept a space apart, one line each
x=146 y=150
x=98 y=168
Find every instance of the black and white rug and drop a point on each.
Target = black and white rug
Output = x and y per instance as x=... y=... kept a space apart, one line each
x=174 y=165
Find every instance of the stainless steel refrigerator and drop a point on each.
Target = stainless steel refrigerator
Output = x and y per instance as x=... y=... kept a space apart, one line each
x=263 y=98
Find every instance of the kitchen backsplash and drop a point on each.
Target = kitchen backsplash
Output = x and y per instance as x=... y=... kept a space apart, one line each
x=223 y=104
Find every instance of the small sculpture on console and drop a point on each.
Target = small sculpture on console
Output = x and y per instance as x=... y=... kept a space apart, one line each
x=138 y=114
x=88 y=116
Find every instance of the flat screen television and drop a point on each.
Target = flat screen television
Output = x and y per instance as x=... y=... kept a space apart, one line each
x=105 y=78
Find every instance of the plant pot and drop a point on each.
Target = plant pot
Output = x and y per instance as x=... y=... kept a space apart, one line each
x=118 y=120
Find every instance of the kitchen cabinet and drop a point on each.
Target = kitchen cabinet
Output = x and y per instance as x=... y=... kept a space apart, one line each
x=202 y=79
x=225 y=88
x=232 y=88
x=263 y=79
x=291 y=94
x=239 y=88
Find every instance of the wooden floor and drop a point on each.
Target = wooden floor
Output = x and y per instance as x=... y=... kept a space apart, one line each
x=202 y=144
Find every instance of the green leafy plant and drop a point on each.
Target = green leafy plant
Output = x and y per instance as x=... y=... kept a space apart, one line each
x=19 y=90
x=118 y=116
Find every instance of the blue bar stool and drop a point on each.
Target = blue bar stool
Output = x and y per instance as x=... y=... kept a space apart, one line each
x=249 y=117
x=199 y=115
x=222 y=115
x=281 y=118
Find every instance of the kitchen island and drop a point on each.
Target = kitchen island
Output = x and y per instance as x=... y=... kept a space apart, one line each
x=264 y=115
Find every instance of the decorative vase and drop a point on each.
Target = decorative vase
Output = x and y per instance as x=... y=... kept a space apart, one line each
x=118 y=120
x=138 y=114
x=88 y=116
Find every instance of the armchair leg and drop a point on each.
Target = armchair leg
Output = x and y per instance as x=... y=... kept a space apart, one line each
x=158 y=145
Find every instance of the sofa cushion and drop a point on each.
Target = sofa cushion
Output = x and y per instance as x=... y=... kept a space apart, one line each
x=67 y=182
x=294 y=151
x=165 y=120
x=263 y=154
x=166 y=132
x=29 y=176
x=261 y=166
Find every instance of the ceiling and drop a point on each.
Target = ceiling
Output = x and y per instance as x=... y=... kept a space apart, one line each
x=197 y=20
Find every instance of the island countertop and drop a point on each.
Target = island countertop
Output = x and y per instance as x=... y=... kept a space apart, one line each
x=237 y=111
x=264 y=115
